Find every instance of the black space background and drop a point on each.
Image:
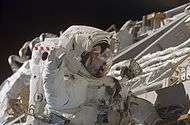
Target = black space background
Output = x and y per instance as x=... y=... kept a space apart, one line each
x=23 y=20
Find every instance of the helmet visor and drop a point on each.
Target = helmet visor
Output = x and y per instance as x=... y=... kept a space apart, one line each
x=99 y=61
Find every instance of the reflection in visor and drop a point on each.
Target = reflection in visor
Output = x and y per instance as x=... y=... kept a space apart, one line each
x=98 y=61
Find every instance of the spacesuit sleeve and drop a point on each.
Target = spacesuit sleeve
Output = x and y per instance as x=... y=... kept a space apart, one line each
x=50 y=71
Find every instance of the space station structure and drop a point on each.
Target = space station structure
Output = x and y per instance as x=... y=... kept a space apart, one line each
x=151 y=63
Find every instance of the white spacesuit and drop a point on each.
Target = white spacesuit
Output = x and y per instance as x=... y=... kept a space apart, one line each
x=69 y=83
x=74 y=75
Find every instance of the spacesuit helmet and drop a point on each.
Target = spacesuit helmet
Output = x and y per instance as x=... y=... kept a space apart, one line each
x=98 y=59
x=82 y=51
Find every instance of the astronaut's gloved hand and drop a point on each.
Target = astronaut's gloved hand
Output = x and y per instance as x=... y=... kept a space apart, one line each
x=132 y=71
x=52 y=58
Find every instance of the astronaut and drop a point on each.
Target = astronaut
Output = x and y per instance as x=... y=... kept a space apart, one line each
x=74 y=76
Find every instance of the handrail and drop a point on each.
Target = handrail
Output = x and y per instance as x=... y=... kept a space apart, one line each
x=16 y=119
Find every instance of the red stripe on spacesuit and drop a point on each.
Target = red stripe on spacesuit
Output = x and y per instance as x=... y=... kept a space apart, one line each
x=35 y=48
x=47 y=48
x=41 y=48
